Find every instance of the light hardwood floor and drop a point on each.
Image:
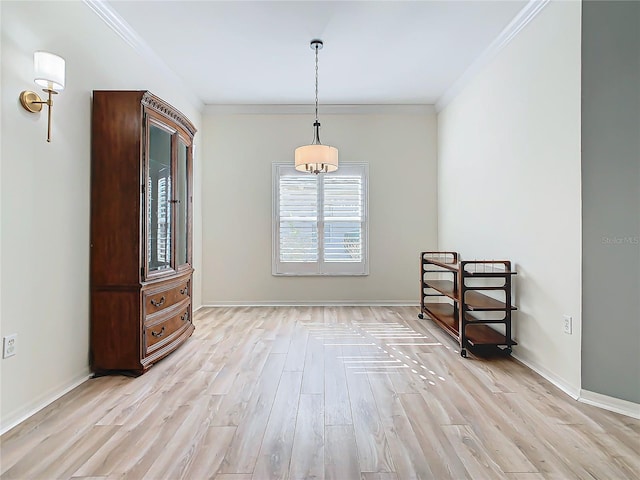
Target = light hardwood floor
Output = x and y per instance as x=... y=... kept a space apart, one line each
x=325 y=393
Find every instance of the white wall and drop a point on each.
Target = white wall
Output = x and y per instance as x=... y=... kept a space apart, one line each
x=509 y=182
x=45 y=193
x=238 y=153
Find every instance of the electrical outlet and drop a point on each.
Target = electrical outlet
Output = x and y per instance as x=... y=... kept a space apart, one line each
x=567 y=327
x=9 y=345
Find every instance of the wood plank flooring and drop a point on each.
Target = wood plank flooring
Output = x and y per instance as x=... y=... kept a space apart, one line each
x=322 y=393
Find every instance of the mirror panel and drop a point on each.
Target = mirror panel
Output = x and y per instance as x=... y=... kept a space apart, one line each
x=159 y=200
x=182 y=213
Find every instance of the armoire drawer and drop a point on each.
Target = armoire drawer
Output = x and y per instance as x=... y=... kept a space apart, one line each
x=156 y=300
x=157 y=333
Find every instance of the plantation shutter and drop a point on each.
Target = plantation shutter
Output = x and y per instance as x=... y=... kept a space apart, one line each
x=343 y=216
x=320 y=221
x=298 y=197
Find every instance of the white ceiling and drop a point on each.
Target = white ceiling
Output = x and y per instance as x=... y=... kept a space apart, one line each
x=375 y=52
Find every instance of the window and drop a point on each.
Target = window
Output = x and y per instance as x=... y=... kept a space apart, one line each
x=320 y=221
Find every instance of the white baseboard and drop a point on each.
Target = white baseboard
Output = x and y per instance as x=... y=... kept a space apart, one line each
x=383 y=303
x=41 y=402
x=573 y=392
x=599 y=400
x=624 y=407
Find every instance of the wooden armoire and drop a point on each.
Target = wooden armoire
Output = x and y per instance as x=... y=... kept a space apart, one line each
x=141 y=215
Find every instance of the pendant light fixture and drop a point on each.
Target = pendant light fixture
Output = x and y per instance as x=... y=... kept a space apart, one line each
x=316 y=158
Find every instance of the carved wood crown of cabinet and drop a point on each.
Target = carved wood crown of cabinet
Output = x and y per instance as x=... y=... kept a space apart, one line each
x=154 y=103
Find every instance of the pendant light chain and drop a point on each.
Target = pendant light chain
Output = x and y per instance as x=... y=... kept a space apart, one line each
x=316 y=157
x=316 y=83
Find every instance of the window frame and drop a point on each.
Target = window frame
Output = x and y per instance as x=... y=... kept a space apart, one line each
x=320 y=267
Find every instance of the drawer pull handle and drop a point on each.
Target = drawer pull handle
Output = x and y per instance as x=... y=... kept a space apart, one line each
x=158 y=303
x=158 y=334
x=185 y=317
x=185 y=290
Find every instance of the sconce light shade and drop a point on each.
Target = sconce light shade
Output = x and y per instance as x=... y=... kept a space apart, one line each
x=49 y=71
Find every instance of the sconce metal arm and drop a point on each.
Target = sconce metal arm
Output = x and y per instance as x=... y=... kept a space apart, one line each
x=32 y=102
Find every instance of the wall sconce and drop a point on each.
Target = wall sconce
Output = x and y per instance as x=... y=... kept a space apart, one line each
x=48 y=73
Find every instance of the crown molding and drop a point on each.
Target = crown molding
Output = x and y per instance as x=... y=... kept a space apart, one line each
x=114 y=21
x=276 y=109
x=125 y=31
x=521 y=20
